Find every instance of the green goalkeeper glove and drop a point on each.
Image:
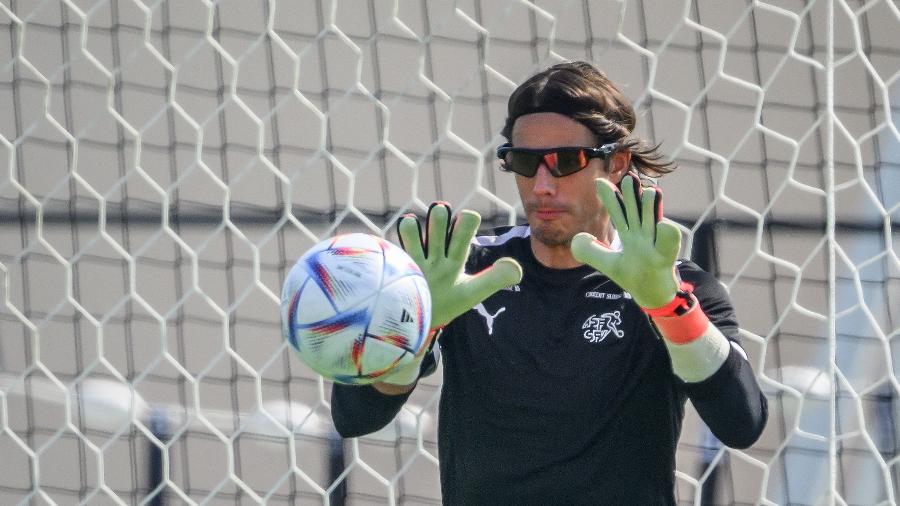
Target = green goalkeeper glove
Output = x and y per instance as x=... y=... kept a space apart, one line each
x=645 y=267
x=442 y=255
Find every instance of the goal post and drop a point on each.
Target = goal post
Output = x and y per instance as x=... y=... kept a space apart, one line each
x=165 y=163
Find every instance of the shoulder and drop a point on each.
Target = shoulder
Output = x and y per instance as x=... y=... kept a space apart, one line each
x=489 y=245
x=699 y=278
x=501 y=236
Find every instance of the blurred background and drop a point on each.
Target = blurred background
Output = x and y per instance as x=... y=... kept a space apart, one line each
x=165 y=163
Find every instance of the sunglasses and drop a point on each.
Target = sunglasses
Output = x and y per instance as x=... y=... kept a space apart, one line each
x=561 y=161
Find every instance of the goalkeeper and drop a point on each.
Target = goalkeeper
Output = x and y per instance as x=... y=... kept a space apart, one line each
x=570 y=344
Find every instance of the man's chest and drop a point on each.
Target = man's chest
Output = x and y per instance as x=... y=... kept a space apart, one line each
x=589 y=317
x=574 y=346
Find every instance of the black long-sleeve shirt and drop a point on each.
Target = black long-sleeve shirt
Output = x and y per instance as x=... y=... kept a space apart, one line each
x=559 y=390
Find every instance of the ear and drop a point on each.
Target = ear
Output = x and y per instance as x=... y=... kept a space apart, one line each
x=619 y=165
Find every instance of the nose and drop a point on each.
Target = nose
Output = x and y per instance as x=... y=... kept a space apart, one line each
x=544 y=182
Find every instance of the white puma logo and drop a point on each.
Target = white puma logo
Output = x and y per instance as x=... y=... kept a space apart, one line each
x=488 y=318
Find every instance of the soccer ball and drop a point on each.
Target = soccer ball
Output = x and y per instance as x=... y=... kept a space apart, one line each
x=354 y=307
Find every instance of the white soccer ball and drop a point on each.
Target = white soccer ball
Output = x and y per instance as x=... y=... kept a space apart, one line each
x=354 y=307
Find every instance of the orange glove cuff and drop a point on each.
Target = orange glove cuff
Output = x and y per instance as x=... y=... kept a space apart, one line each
x=683 y=328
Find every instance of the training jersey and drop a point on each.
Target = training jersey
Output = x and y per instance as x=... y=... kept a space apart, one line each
x=559 y=390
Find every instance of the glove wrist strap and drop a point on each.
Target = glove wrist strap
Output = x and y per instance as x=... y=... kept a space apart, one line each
x=683 y=328
x=680 y=304
x=680 y=321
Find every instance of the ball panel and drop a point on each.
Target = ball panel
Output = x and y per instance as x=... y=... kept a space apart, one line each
x=289 y=311
x=357 y=240
x=289 y=292
x=346 y=275
x=326 y=345
x=312 y=304
x=401 y=313
x=397 y=263
x=380 y=356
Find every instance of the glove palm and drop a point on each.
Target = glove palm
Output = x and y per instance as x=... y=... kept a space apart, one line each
x=645 y=266
x=441 y=256
x=442 y=259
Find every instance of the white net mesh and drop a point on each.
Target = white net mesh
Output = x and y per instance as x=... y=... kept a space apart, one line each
x=165 y=163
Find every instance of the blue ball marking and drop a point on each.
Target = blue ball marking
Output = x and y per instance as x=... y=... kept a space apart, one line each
x=320 y=276
x=332 y=324
x=292 y=313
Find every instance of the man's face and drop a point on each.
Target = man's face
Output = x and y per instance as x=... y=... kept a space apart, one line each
x=559 y=208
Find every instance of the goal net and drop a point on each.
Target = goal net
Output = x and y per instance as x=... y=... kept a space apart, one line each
x=165 y=163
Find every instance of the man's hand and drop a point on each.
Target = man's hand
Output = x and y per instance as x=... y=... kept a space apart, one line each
x=442 y=255
x=645 y=267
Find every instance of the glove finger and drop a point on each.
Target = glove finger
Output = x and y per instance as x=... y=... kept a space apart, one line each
x=503 y=273
x=630 y=194
x=658 y=207
x=668 y=240
x=648 y=212
x=438 y=220
x=612 y=201
x=464 y=229
x=410 y=233
x=588 y=250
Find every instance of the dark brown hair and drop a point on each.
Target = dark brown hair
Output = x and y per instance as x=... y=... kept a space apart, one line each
x=582 y=92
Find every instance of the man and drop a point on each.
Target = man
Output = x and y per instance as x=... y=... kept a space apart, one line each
x=570 y=354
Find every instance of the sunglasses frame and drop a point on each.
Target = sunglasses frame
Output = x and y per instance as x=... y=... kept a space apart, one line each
x=604 y=152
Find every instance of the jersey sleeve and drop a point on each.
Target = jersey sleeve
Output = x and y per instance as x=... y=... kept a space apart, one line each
x=361 y=410
x=730 y=401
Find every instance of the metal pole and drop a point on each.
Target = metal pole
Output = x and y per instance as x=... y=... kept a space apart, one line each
x=159 y=426
x=335 y=468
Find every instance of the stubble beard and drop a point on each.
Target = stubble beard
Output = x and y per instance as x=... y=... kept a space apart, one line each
x=552 y=238
x=556 y=235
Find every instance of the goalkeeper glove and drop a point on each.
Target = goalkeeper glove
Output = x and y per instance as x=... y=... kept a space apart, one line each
x=645 y=267
x=442 y=255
